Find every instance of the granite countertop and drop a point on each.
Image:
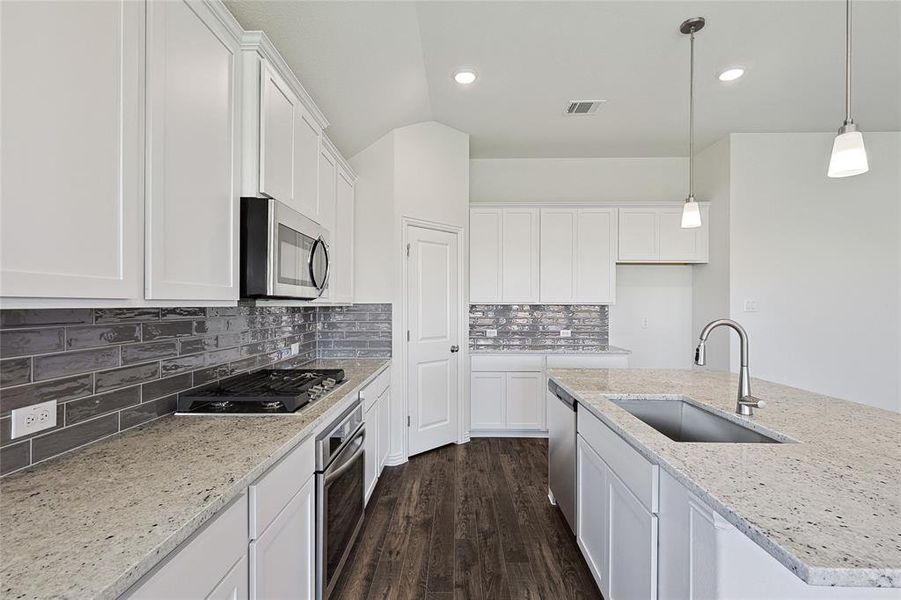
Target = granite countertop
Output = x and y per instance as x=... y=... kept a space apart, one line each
x=561 y=350
x=827 y=507
x=89 y=524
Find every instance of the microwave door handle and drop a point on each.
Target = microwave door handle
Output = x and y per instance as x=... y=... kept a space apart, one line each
x=319 y=286
x=348 y=463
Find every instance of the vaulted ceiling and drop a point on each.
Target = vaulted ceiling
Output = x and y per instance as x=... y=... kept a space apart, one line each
x=373 y=66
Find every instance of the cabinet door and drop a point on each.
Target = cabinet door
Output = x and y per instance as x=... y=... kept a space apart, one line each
x=384 y=443
x=283 y=558
x=370 y=449
x=596 y=256
x=638 y=234
x=519 y=255
x=306 y=165
x=558 y=255
x=592 y=520
x=328 y=173
x=70 y=90
x=485 y=255
x=681 y=245
x=234 y=585
x=342 y=278
x=192 y=187
x=487 y=400
x=525 y=401
x=632 y=550
x=277 y=108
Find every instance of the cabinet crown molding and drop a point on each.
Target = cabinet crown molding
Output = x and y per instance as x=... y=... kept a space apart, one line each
x=662 y=204
x=345 y=166
x=259 y=42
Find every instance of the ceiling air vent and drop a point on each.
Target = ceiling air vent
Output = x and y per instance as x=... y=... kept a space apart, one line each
x=583 y=107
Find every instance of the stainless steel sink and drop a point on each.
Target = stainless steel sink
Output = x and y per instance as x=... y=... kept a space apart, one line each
x=682 y=421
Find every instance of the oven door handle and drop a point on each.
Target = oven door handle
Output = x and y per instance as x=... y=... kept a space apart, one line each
x=331 y=475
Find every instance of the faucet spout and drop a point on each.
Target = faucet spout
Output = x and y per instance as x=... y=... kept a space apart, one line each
x=746 y=402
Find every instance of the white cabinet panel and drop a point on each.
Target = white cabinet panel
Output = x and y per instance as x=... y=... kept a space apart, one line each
x=277 y=108
x=234 y=586
x=341 y=280
x=487 y=399
x=71 y=78
x=632 y=552
x=525 y=401
x=682 y=245
x=328 y=173
x=519 y=255
x=370 y=449
x=485 y=255
x=637 y=234
x=306 y=165
x=596 y=256
x=558 y=255
x=196 y=569
x=191 y=228
x=592 y=510
x=283 y=557
x=384 y=429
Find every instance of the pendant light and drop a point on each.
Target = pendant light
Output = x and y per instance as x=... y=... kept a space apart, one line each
x=691 y=212
x=849 y=156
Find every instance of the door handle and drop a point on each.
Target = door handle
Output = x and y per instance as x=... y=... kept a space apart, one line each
x=455 y=348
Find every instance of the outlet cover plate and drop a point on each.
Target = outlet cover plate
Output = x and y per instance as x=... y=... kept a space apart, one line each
x=566 y=333
x=491 y=333
x=295 y=348
x=32 y=419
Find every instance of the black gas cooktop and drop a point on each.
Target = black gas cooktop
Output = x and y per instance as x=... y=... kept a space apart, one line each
x=268 y=391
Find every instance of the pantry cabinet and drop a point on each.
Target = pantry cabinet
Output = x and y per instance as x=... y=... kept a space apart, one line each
x=654 y=234
x=73 y=149
x=504 y=255
x=193 y=169
x=578 y=250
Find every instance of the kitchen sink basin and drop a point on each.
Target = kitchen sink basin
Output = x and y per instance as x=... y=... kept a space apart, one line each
x=682 y=421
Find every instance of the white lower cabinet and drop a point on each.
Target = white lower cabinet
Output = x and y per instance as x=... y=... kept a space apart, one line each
x=283 y=557
x=370 y=447
x=207 y=565
x=384 y=430
x=633 y=544
x=592 y=510
x=376 y=399
x=525 y=401
x=507 y=395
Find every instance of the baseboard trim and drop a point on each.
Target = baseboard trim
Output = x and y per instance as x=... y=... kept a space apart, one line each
x=394 y=460
x=509 y=433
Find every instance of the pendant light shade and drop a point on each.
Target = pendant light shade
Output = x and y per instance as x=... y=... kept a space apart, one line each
x=691 y=212
x=849 y=156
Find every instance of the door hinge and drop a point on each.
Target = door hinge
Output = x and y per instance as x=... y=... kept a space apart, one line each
x=408 y=250
x=408 y=420
x=408 y=335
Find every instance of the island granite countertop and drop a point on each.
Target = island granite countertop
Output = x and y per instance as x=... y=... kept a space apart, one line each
x=827 y=507
x=89 y=524
x=615 y=350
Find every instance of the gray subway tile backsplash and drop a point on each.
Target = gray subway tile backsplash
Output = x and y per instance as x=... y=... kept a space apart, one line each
x=531 y=327
x=112 y=369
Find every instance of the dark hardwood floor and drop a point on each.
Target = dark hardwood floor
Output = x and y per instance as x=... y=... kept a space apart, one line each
x=468 y=521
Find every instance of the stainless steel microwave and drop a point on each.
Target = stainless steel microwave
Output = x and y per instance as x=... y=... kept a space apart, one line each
x=283 y=253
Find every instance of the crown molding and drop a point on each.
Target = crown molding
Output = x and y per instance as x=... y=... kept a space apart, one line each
x=327 y=142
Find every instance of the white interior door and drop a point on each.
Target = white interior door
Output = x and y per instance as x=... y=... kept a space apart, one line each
x=433 y=312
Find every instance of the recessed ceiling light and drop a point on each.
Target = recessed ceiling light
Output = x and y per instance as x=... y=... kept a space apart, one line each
x=731 y=74
x=465 y=76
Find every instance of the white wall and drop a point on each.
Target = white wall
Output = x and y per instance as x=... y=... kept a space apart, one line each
x=661 y=295
x=822 y=259
x=578 y=179
x=710 y=282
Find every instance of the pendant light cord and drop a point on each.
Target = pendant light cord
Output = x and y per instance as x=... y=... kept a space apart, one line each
x=848 y=62
x=691 y=119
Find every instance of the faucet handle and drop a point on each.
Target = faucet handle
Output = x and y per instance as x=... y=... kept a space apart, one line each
x=752 y=401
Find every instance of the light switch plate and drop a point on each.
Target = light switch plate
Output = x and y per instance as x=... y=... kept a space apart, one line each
x=295 y=348
x=566 y=333
x=491 y=333
x=32 y=419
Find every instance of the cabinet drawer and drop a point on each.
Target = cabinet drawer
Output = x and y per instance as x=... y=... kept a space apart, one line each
x=515 y=362
x=636 y=472
x=374 y=390
x=270 y=493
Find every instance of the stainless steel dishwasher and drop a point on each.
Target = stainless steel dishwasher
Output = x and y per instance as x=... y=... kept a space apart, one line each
x=561 y=451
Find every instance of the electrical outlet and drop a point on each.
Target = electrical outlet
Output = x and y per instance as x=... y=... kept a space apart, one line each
x=491 y=333
x=750 y=305
x=566 y=333
x=644 y=322
x=295 y=348
x=32 y=419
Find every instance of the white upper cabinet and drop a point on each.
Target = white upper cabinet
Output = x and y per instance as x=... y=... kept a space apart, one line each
x=328 y=174
x=71 y=75
x=342 y=248
x=306 y=165
x=654 y=234
x=504 y=255
x=192 y=184
x=578 y=249
x=277 y=109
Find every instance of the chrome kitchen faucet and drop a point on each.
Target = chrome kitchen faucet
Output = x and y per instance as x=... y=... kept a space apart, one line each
x=746 y=402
